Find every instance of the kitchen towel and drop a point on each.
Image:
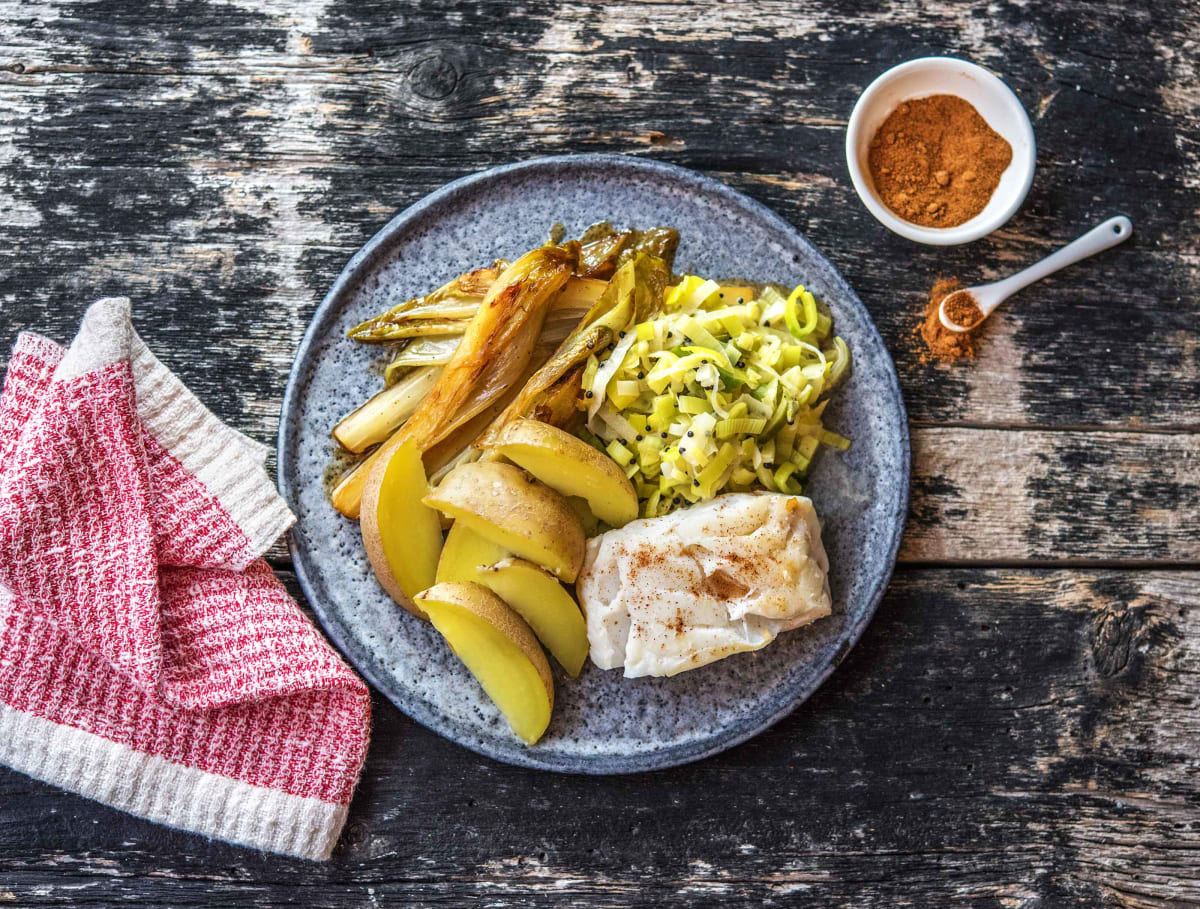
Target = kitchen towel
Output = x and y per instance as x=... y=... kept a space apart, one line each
x=149 y=658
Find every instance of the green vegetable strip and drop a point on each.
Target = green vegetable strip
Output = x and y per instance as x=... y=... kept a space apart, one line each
x=810 y=313
x=708 y=397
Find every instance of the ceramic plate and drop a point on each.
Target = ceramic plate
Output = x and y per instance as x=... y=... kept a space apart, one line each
x=602 y=722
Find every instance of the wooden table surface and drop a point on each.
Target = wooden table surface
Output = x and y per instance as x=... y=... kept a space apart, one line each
x=1019 y=725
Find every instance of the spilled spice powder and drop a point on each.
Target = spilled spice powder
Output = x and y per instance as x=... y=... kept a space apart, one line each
x=936 y=162
x=941 y=343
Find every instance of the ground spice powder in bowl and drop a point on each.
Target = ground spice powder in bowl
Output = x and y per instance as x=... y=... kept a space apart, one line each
x=936 y=162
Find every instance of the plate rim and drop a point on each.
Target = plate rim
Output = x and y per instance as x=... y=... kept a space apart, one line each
x=672 y=756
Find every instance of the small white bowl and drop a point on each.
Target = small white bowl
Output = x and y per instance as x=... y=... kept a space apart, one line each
x=996 y=104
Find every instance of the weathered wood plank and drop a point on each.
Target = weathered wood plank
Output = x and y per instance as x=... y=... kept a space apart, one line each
x=235 y=165
x=1008 y=496
x=1018 y=737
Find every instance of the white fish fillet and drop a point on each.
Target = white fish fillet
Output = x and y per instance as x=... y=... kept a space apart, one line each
x=664 y=595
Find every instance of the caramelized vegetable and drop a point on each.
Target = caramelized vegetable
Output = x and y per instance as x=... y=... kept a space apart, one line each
x=657 y=242
x=492 y=355
x=605 y=248
x=634 y=294
x=438 y=327
x=598 y=258
x=460 y=296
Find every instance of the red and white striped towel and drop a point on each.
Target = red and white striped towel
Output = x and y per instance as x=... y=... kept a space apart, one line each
x=149 y=659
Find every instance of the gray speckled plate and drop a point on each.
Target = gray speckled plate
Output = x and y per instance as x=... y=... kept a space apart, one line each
x=602 y=722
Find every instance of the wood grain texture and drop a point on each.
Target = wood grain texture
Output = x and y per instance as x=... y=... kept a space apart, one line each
x=1019 y=726
x=229 y=158
x=996 y=495
x=1015 y=737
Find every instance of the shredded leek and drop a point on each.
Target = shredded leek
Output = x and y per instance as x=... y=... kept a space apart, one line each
x=810 y=313
x=720 y=391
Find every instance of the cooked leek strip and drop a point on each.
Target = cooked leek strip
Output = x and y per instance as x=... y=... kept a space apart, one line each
x=717 y=391
x=616 y=423
x=606 y=372
x=711 y=355
x=715 y=470
x=782 y=474
x=840 y=362
x=833 y=440
x=810 y=313
x=695 y=333
x=661 y=413
x=714 y=400
x=619 y=453
x=650 y=505
x=628 y=389
x=736 y=426
x=733 y=326
x=688 y=364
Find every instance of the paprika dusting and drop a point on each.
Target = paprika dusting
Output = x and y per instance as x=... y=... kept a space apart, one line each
x=940 y=342
x=936 y=162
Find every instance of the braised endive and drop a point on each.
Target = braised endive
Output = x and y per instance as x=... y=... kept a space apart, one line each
x=634 y=293
x=493 y=355
x=452 y=304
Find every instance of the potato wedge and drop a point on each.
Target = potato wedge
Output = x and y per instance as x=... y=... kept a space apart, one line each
x=529 y=589
x=509 y=507
x=572 y=467
x=545 y=604
x=498 y=648
x=403 y=537
x=465 y=552
x=583 y=511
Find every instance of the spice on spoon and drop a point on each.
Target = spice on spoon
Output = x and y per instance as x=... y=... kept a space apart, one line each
x=936 y=162
x=940 y=342
x=963 y=309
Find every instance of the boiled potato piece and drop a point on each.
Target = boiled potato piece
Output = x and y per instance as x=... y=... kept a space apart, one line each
x=465 y=552
x=507 y=506
x=583 y=511
x=402 y=535
x=499 y=650
x=571 y=466
x=542 y=602
x=529 y=589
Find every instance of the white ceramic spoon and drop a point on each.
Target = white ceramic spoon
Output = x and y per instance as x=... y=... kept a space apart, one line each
x=989 y=296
